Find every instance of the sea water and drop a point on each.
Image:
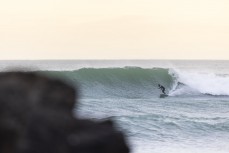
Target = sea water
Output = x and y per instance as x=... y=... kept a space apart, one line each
x=194 y=118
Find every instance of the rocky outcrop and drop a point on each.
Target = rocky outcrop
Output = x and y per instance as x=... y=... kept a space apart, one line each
x=36 y=117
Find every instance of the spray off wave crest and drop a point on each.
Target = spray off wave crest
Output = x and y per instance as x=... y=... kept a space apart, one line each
x=136 y=82
x=194 y=83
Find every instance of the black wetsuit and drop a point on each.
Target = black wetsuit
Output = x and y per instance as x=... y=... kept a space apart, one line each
x=162 y=88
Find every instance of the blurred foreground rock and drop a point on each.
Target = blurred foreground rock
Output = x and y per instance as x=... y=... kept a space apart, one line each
x=36 y=116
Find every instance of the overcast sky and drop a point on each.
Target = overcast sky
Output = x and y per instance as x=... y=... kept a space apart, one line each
x=114 y=29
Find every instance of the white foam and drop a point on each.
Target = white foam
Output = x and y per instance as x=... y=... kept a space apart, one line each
x=202 y=83
x=175 y=147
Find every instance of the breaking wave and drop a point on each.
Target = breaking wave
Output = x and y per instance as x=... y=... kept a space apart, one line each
x=136 y=82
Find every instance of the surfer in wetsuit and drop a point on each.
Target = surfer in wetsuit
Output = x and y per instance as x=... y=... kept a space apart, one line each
x=162 y=88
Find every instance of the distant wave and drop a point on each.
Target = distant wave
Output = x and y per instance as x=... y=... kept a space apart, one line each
x=136 y=82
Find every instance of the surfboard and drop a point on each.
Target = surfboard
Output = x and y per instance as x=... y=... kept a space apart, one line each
x=163 y=95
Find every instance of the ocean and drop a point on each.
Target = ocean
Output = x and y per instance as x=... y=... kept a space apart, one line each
x=194 y=118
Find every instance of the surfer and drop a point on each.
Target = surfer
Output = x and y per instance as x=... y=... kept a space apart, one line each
x=162 y=88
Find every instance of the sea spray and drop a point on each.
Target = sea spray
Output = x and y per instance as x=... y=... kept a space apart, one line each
x=200 y=83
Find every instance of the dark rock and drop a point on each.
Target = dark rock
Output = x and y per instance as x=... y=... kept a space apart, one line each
x=36 y=117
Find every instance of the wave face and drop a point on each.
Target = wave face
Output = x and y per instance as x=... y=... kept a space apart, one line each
x=128 y=82
x=136 y=82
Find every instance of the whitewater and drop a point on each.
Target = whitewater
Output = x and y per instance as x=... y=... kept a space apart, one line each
x=194 y=118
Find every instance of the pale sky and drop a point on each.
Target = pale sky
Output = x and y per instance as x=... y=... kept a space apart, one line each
x=114 y=29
